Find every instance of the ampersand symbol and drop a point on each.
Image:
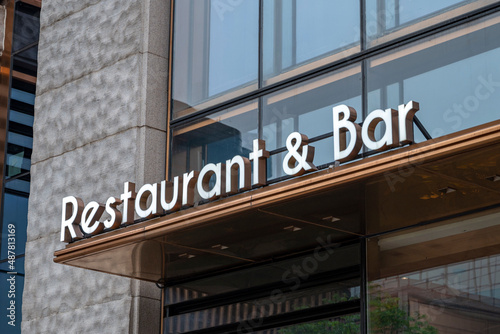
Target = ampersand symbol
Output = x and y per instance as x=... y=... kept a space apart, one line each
x=299 y=158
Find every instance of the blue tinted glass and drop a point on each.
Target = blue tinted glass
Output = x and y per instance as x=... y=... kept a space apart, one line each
x=307 y=107
x=414 y=9
x=233 y=45
x=25 y=97
x=215 y=138
x=20 y=140
x=325 y=25
x=216 y=51
x=469 y=101
x=17 y=265
x=389 y=19
x=21 y=118
x=15 y=216
x=455 y=78
x=17 y=163
x=299 y=32
x=26 y=25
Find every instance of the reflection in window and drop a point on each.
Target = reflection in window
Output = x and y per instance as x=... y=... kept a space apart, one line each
x=26 y=25
x=389 y=19
x=302 y=31
x=245 y=312
x=215 y=50
x=214 y=139
x=455 y=298
x=247 y=298
x=348 y=324
x=454 y=77
x=307 y=108
x=442 y=278
x=20 y=133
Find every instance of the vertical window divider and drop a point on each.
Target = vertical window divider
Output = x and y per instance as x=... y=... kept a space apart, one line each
x=260 y=72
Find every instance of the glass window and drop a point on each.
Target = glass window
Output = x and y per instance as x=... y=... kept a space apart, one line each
x=444 y=278
x=307 y=108
x=307 y=285
x=26 y=26
x=454 y=76
x=26 y=61
x=215 y=138
x=215 y=51
x=348 y=324
x=390 y=19
x=302 y=34
x=20 y=134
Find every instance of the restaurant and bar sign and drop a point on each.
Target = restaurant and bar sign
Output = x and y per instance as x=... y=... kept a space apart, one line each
x=237 y=174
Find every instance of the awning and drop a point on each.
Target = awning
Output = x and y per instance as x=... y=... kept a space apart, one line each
x=435 y=180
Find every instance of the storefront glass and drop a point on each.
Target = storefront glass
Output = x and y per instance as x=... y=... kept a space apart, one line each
x=294 y=38
x=216 y=56
x=215 y=138
x=261 y=298
x=442 y=278
x=454 y=76
x=431 y=247
x=387 y=20
x=307 y=108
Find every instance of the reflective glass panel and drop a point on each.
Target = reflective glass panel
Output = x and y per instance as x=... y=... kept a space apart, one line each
x=26 y=25
x=215 y=52
x=26 y=61
x=246 y=312
x=348 y=324
x=328 y=276
x=390 y=19
x=302 y=34
x=442 y=278
x=214 y=138
x=307 y=108
x=454 y=76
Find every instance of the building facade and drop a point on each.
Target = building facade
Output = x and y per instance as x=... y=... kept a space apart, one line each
x=19 y=22
x=245 y=166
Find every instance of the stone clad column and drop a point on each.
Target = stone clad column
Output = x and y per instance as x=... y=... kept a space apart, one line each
x=100 y=120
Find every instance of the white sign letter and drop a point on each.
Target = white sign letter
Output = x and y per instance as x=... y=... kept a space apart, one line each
x=343 y=122
x=72 y=208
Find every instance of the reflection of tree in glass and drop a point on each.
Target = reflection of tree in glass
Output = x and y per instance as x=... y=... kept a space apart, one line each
x=386 y=317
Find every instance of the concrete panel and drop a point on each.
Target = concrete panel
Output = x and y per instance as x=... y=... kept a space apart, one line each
x=100 y=120
x=88 y=109
x=87 y=41
x=106 y=318
x=93 y=172
x=61 y=289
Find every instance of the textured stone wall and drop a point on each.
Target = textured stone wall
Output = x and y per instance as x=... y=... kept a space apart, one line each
x=100 y=120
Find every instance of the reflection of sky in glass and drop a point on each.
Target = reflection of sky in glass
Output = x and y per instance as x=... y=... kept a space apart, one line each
x=25 y=97
x=413 y=9
x=447 y=95
x=409 y=10
x=325 y=25
x=234 y=46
